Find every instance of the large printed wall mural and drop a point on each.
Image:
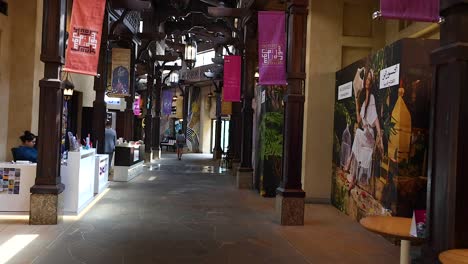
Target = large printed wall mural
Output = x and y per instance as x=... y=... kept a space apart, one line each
x=268 y=143
x=193 y=119
x=381 y=131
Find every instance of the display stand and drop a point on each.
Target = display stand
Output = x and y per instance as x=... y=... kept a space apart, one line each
x=128 y=162
x=78 y=176
x=101 y=179
x=18 y=180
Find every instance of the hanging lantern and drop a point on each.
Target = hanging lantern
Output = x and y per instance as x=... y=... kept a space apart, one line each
x=174 y=77
x=190 y=52
x=68 y=87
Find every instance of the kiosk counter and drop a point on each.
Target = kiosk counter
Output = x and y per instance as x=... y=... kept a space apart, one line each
x=15 y=184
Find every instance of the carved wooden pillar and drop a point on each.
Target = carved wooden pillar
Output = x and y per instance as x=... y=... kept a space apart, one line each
x=128 y=114
x=157 y=116
x=245 y=171
x=448 y=170
x=235 y=137
x=290 y=196
x=100 y=85
x=217 y=150
x=149 y=110
x=48 y=185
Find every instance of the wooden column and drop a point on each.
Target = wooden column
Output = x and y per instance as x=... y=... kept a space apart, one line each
x=157 y=116
x=128 y=114
x=448 y=170
x=290 y=196
x=245 y=171
x=48 y=186
x=100 y=85
x=236 y=123
x=149 y=110
x=217 y=151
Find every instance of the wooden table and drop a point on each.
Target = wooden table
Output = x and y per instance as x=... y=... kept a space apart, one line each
x=397 y=227
x=454 y=256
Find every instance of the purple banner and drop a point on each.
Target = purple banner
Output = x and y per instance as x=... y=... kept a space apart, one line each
x=232 y=79
x=417 y=10
x=167 y=101
x=272 y=48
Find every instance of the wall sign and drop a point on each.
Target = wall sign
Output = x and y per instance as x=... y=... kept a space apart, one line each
x=390 y=76
x=345 y=90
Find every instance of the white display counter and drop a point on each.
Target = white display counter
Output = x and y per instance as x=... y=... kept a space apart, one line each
x=16 y=182
x=78 y=175
x=101 y=179
x=127 y=173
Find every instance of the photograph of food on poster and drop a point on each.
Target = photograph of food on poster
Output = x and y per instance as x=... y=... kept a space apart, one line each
x=10 y=180
x=381 y=130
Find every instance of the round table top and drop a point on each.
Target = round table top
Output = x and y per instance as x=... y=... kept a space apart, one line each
x=398 y=227
x=454 y=256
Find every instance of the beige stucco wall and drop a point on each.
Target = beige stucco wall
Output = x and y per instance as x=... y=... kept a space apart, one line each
x=4 y=82
x=415 y=30
x=25 y=69
x=205 y=120
x=330 y=47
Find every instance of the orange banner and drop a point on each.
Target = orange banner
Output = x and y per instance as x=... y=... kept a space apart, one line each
x=84 y=39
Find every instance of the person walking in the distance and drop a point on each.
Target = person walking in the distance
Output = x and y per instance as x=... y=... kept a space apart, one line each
x=180 y=142
x=109 y=142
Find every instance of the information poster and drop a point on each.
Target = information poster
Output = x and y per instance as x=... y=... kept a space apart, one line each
x=11 y=178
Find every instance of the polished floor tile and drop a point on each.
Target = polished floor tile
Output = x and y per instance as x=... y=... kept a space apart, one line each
x=189 y=211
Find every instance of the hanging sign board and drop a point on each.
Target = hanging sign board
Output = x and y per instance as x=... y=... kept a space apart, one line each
x=416 y=10
x=82 y=55
x=232 y=79
x=120 y=73
x=272 y=48
x=167 y=101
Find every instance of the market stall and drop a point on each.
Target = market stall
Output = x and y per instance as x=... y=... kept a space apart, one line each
x=16 y=182
x=129 y=161
x=78 y=176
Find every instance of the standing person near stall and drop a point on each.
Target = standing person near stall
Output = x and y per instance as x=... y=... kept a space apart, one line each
x=180 y=142
x=109 y=142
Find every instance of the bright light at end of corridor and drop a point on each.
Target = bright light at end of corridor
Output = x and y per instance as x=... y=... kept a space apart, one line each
x=14 y=245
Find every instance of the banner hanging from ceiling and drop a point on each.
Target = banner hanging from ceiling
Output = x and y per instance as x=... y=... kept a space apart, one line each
x=417 y=10
x=272 y=48
x=82 y=55
x=232 y=79
x=120 y=86
x=167 y=101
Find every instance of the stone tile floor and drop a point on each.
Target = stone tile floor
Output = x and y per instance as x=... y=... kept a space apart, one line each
x=189 y=211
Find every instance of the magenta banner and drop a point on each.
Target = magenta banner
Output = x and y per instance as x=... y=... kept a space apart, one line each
x=272 y=48
x=167 y=101
x=417 y=10
x=232 y=79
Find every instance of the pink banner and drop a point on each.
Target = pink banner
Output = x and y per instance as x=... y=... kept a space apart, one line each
x=232 y=79
x=84 y=39
x=272 y=48
x=417 y=10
